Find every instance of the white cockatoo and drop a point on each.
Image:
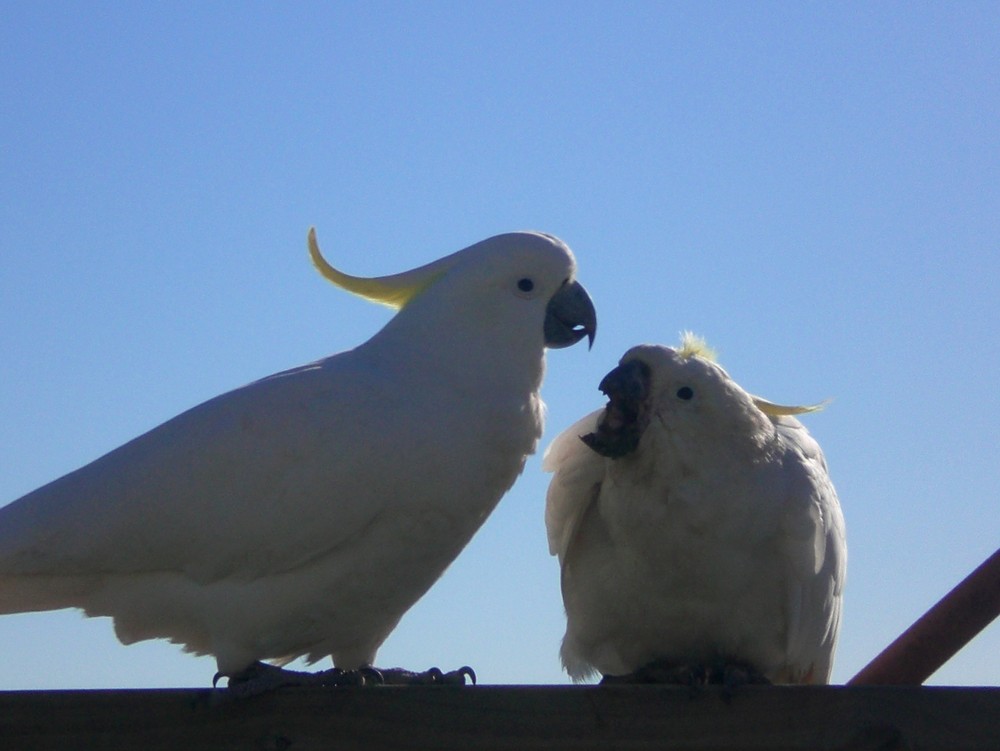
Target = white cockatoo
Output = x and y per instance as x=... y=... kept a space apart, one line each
x=303 y=514
x=698 y=533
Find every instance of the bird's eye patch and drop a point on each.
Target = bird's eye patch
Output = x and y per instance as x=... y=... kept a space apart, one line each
x=525 y=284
x=685 y=393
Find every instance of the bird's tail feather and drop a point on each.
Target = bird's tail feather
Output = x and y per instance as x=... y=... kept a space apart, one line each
x=35 y=592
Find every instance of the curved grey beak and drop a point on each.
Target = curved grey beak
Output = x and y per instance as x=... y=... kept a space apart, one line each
x=570 y=316
x=626 y=415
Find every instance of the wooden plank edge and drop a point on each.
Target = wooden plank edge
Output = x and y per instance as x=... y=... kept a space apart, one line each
x=507 y=717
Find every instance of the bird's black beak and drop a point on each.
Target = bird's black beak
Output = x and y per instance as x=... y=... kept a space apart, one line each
x=570 y=316
x=626 y=414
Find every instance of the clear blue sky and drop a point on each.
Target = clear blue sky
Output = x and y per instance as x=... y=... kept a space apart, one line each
x=815 y=188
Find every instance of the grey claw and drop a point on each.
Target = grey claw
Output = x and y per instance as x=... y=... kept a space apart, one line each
x=454 y=677
x=370 y=674
x=433 y=676
x=430 y=677
x=466 y=672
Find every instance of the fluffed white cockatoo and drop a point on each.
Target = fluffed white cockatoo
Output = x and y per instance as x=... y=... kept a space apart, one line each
x=303 y=514
x=699 y=536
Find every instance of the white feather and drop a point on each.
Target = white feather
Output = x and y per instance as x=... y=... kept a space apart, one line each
x=578 y=475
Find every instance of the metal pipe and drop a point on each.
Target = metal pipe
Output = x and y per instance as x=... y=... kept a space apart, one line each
x=941 y=632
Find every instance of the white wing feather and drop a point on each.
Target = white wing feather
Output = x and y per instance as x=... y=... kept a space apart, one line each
x=815 y=545
x=577 y=474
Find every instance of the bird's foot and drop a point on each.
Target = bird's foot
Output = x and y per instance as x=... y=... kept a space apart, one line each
x=736 y=674
x=661 y=672
x=260 y=677
x=432 y=677
x=726 y=673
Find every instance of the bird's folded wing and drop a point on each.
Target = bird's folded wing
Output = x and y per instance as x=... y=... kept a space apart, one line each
x=815 y=544
x=257 y=480
x=577 y=475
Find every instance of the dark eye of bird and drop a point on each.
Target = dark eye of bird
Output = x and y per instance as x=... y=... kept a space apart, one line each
x=685 y=393
x=525 y=285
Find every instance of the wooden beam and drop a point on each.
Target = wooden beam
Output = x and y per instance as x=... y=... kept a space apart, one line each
x=506 y=717
x=940 y=633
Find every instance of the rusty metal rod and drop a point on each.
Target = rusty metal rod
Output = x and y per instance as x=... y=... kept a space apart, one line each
x=941 y=632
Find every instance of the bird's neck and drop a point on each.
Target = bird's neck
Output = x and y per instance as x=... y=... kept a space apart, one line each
x=467 y=365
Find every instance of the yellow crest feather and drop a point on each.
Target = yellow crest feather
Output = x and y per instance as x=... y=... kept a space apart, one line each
x=395 y=290
x=778 y=410
x=693 y=345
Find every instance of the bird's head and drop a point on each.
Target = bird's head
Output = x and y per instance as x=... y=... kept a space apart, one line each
x=511 y=286
x=685 y=394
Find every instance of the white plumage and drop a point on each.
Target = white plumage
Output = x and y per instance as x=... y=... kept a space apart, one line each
x=303 y=514
x=695 y=524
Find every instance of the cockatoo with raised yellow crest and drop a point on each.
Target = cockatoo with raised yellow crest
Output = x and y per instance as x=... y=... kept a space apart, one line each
x=303 y=514
x=699 y=536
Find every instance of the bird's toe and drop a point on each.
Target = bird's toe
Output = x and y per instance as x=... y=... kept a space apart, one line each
x=431 y=677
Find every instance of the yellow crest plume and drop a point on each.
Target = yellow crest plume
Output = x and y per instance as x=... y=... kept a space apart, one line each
x=395 y=290
x=778 y=410
x=693 y=345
